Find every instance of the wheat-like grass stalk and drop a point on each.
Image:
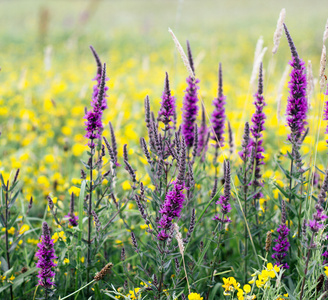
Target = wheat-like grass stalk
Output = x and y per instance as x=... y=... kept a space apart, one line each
x=325 y=33
x=183 y=54
x=310 y=82
x=282 y=82
x=178 y=236
x=323 y=62
x=279 y=31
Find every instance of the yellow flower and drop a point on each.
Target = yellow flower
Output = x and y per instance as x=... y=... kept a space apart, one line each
x=230 y=284
x=247 y=288
x=12 y=277
x=61 y=235
x=240 y=294
x=194 y=296
x=66 y=261
x=272 y=270
x=82 y=260
x=134 y=294
x=10 y=231
x=23 y=229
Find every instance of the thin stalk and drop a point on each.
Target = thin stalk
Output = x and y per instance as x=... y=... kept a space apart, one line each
x=245 y=213
x=80 y=289
x=7 y=242
x=89 y=222
x=306 y=266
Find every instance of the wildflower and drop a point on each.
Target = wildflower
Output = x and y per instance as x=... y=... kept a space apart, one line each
x=46 y=254
x=167 y=110
x=218 y=115
x=285 y=295
x=134 y=294
x=224 y=199
x=282 y=244
x=230 y=285
x=318 y=217
x=72 y=217
x=171 y=208
x=203 y=136
x=56 y=236
x=190 y=107
x=256 y=142
x=93 y=124
x=66 y=261
x=296 y=103
x=194 y=296
x=12 y=277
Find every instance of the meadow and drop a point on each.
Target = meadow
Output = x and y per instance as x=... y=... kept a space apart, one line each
x=108 y=188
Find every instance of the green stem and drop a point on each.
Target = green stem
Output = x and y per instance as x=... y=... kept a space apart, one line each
x=89 y=221
x=80 y=289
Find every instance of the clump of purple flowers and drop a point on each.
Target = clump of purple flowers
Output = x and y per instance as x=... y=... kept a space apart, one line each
x=319 y=217
x=256 y=129
x=202 y=136
x=167 y=111
x=297 y=105
x=72 y=217
x=218 y=116
x=171 y=209
x=225 y=198
x=190 y=107
x=282 y=244
x=174 y=199
x=94 y=126
x=45 y=255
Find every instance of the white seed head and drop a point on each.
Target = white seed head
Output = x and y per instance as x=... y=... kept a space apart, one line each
x=178 y=236
x=323 y=62
x=279 y=31
x=182 y=53
x=310 y=82
x=325 y=33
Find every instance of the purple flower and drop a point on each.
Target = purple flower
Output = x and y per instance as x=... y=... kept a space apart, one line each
x=171 y=208
x=282 y=244
x=46 y=254
x=319 y=217
x=202 y=136
x=72 y=217
x=297 y=106
x=167 y=110
x=190 y=107
x=218 y=115
x=256 y=129
x=94 y=126
x=225 y=198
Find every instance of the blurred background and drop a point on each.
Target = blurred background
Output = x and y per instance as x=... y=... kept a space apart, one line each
x=47 y=70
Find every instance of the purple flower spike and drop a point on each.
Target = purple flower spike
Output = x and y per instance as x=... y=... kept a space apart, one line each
x=319 y=217
x=282 y=244
x=167 y=111
x=297 y=106
x=171 y=208
x=225 y=198
x=256 y=129
x=94 y=126
x=46 y=254
x=190 y=107
x=202 y=134
x=72 y=217
x=218 y=115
